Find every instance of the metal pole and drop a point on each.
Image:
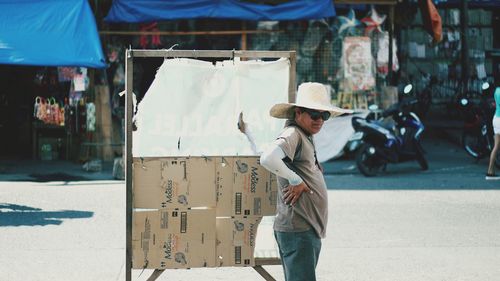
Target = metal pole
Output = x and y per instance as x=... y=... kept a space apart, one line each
x=465 y=46
x=244 y=37
x=292 y=83
x=129 y=70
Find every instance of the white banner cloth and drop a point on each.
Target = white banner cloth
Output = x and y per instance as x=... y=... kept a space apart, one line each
x=334 y=134
x=192 y=107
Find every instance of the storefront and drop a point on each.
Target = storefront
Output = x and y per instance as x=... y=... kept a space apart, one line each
x=49 y=53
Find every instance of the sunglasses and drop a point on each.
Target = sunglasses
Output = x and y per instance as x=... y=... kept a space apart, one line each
x=315 y=115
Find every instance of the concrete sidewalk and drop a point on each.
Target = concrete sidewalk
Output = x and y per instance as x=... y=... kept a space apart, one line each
x=54 y=170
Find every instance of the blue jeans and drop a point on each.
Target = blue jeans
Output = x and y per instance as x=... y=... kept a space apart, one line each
x=299 y=252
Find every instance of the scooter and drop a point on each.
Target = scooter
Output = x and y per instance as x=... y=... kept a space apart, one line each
x=383 y=144
x=477 y=136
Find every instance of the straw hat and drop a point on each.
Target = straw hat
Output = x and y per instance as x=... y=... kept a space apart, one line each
x=310 y=95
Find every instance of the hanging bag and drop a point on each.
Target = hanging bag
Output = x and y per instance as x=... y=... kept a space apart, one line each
x=36 y=106
x=49 y=116
x=42 y=110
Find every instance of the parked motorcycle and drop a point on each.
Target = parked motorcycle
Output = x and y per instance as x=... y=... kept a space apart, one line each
x=383 y=144
x=477 y=137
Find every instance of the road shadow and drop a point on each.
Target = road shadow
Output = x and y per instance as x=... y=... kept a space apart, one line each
x=19 y=215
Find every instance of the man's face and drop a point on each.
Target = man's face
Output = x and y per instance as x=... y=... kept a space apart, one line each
x=307 y=123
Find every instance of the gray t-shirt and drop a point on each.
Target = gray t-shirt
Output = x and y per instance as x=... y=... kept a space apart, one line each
x=311 y=210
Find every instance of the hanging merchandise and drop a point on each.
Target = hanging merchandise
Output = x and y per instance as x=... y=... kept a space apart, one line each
x=80 y=80
x=62 y=115
x=347 y=25
x=69 y=117
x=48 y=111
x=265 y=40
x=383 y=55
x=65 y=74
x=119 y=77
x=155 y=39
x=81 y=117
x=357 y=62
x=373 y=21
x=41 y=77
x=45 y=111
x=314 y=36
x=113 y=53
x=481 y=71
x=75 y=97
x=37 y=107
x=90 y=117
x=53 y=112
x=57 y=112
x=79 y=83
x=431 y=20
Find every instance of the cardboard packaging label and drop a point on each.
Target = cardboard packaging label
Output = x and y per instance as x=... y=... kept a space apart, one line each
x=244 y=187
x=236 y=239
x=180 y=182
x=173 y=239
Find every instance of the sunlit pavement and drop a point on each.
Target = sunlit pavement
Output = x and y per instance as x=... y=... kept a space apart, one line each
x=76 y=231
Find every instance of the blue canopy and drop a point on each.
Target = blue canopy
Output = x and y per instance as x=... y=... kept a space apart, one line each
x=49 y=33
x=473 y=3
x=135 y=11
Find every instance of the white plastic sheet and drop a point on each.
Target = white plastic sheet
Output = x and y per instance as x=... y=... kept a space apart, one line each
x=334 y=135
x=192 y=107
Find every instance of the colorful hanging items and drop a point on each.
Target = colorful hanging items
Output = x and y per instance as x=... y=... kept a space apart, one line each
x=65 y=74
x=155 y=38
x=431 y=20
x=348 y=24
x=53 y=116
x=36 y=107
x=113 y=53
x=90 y=117
x=383 y=55
x=373 y=21
x=48 y=111
x=357 y=62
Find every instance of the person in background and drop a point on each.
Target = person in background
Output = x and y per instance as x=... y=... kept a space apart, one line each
x=490 y=175
x=302 y=207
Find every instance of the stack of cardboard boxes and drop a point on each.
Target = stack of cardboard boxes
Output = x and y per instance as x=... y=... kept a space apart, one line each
x=199 y=211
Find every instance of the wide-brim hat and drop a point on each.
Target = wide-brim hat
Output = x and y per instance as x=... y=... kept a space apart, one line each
x=309 y=95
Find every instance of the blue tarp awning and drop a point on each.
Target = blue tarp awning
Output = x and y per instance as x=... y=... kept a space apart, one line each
x=135 y=11
x=49 y=33
x=471 y=3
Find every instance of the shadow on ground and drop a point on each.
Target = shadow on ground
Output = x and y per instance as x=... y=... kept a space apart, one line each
x=56 y=177
x=19 y=215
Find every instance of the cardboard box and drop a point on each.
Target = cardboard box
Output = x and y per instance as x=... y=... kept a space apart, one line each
x=244 y=187
x=176 y=182
x=236 y=238
x=173 y=239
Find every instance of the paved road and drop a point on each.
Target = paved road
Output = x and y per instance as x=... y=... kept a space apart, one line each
x=61 y=231
x=449 y=168
x=442 y=224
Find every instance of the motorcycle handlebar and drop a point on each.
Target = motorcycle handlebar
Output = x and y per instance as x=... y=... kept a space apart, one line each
x=400 y=106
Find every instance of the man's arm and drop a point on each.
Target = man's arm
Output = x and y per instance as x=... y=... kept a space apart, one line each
x=244 y=128
x=272 y=159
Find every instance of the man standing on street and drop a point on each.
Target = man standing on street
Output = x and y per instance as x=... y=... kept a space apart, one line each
x=302 y=211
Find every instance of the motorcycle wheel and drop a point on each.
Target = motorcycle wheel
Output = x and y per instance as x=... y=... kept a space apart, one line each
x=367 y=163
x=421 y=159
x=472 y=144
